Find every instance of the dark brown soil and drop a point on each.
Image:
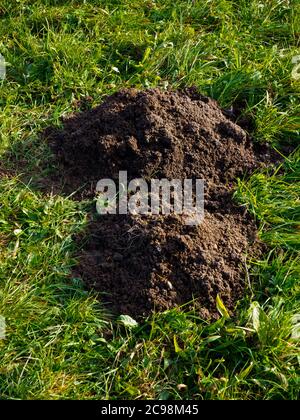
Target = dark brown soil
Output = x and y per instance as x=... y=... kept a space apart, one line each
x=149 y=262
x=146 y=263
x=153 y=134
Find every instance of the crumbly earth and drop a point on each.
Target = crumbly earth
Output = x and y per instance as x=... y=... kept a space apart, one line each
x=146 y=263
x=153 y=134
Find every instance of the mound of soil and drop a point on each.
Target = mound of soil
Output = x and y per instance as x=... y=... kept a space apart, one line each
x=153 y=134
x=145 y=263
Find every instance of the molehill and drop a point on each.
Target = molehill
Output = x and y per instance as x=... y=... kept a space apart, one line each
x=141 y=264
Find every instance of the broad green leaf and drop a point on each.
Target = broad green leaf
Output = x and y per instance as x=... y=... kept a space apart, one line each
x=244 y=373
x=178 y=349
x=222 y=308
x=255 y=314
x=127 y=321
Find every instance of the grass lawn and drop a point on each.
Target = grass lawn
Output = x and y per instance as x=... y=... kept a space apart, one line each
x=60 y=342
